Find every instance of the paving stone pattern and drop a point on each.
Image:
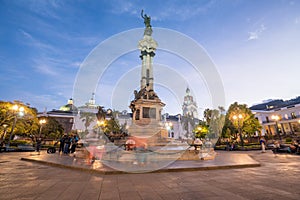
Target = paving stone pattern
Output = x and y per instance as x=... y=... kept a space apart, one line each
x=277 y=178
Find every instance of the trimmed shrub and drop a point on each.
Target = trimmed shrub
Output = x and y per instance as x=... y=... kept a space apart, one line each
x=20 y=142
x=288 y=140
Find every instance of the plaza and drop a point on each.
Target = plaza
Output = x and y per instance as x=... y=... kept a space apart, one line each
x=178 y=86
x=277 y=177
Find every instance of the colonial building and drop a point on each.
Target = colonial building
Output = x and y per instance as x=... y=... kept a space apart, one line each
x=278 y=117
x=86 y=116
x=124 y=118
x=73 y=118
x=65 y=115
x=181 y=126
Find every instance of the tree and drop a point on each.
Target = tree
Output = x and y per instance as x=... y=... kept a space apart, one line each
x=226 y=133
x=112 y=126
x=87 y=118
x=207 y=115
x=201 y=130
x=24 y=125
x=6 y=114
x=52 y=129
x=215 y=121
x=239 y=119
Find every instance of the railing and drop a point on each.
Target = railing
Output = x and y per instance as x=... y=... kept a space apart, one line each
x=282 y=119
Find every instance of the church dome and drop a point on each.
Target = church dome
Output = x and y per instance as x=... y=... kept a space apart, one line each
x=69 y=107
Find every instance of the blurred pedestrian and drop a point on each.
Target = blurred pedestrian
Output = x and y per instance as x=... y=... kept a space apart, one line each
x=263 y=144
x=38 y=145
x=277 y=146
x=67 y=145
x=62 y=143
x=141 y=153
x=74 y=141
x=2 y=146
x=227 y=144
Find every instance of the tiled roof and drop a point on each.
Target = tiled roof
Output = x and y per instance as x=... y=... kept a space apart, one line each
x=276 y=104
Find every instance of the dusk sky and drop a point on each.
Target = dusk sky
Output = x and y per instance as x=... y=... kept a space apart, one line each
x=255 y=46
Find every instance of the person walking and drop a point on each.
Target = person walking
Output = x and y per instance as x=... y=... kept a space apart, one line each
x=62 y=143
x=141 y=153
x=2 y=146
x=74 y=141
x=263 y=144
x=67 y=145
x=38 y=145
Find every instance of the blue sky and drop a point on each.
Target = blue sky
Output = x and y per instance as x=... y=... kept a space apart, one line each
x=255 y=46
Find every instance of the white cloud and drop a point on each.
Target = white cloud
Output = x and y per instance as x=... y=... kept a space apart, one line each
x=45 y=69
x=120 y=7
x=26 y=34
x=45 y=8
x=32 y=41
x=76 y=64
x=170 y=9
x=43 y=101
x=186 y=11
x=52 y=60
x=254 y=35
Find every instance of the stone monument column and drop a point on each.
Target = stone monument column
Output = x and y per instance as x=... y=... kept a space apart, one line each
x=147 y=46
x=146 y=106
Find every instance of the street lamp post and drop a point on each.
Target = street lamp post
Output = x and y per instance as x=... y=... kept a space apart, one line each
x=276 y=118
x=38 y=142
x=16 y=110
x=239 y=117
x=42 y=122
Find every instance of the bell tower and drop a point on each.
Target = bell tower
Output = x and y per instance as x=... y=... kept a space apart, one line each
x=189 y=106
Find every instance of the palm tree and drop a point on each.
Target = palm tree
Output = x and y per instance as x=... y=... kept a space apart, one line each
x=207 y=115
x=87 y=118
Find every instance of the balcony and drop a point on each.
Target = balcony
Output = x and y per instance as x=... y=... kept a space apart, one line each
x=282 y=120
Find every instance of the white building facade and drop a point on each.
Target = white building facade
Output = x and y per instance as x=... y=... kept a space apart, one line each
x=280 y=119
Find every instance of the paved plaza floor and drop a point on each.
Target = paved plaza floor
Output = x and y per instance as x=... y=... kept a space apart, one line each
x=278 y=177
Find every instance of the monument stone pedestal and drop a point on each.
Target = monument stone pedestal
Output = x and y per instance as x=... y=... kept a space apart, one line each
x=147 y=125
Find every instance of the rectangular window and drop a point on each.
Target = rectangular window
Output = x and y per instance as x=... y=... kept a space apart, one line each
x=137 y=114
x=149 y=112
x=152 y=113
x=146 y=112
x=293 y=115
